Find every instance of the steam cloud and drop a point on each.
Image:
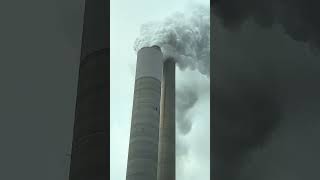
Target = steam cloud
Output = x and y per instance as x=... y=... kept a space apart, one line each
x=184 y=37
x=186 y=99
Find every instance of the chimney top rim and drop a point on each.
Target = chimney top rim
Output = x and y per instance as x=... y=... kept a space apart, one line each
x=154 y=47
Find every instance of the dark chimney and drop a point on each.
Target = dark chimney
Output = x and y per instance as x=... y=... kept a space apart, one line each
x=89 y=146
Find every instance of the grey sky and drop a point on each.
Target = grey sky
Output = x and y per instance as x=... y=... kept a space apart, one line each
x=126 y=17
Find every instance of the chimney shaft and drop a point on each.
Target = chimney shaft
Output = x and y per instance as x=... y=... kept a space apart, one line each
x=89 y=144
x=144 y=136
x=166 y=165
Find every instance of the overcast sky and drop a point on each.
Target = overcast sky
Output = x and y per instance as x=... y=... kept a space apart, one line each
x=126 y=17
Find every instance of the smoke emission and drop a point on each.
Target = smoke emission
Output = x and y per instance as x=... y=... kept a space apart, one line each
x=265 y=77
x=182 y=36
x=186 y=98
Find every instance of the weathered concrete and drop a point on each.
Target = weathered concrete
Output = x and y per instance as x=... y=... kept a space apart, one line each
x=166 y=164
x=144 y=135
x=89 y=146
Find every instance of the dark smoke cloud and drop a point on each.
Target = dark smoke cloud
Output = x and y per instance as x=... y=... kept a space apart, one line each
x=298 y=17
x=260 y=75
x=293 y=152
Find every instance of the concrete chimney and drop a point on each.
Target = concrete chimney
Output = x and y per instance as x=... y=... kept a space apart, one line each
x=166 y=164
x=144 y=136
x=89 y=144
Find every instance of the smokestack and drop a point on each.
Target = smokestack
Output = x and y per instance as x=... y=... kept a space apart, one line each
x=167 y=153
x=144 y=135
x=89 y=145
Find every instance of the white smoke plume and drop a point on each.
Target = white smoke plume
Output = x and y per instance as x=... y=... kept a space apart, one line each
x=184 y=37
x=186 y=98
